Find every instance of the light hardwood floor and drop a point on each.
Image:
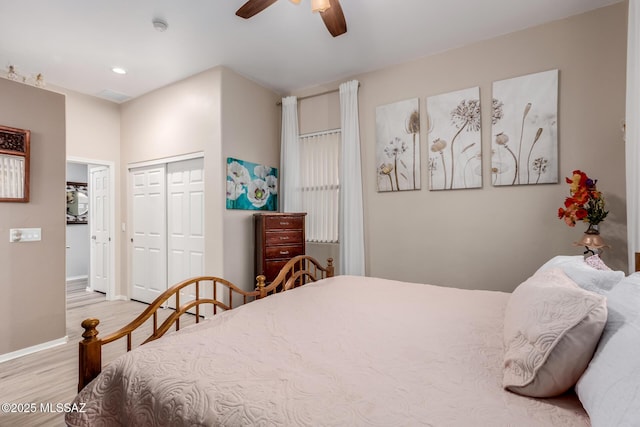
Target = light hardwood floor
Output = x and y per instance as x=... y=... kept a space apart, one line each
x=51 y=376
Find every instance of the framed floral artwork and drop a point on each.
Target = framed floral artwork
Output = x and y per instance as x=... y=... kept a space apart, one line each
x=398 y=146
x=454 y=140
x=251 y=186
x=524 y=130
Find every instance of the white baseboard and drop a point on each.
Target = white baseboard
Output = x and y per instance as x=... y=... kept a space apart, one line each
x=120 y=298
x=77 y=278
x=33 y=349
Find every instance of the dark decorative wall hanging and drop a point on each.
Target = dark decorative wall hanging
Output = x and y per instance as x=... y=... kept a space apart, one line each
x=77 y=203
x=14 y=164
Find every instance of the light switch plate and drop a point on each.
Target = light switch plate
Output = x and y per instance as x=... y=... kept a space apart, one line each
x=18 y=235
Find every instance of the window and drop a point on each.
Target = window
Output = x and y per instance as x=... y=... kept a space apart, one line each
x=319 y=178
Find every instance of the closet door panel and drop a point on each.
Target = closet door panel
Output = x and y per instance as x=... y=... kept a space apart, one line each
x=186 y=222
x=148 y=234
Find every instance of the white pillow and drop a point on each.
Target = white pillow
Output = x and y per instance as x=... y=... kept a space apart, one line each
x=587 y=277
x=610 y=387
x=551 y=330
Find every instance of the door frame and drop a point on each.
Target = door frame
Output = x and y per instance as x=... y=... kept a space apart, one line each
x=111 y=291
x=141 y=164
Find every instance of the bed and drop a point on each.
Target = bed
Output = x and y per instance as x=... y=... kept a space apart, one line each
x=348 y=351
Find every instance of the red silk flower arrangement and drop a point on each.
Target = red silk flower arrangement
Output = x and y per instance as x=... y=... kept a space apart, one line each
x=586 y=202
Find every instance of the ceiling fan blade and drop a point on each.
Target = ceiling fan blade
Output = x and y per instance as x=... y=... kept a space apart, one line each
x=253 y=7
x=334 y=19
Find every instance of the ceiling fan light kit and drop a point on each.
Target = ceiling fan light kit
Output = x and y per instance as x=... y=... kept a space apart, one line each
x=330 y=11
x=320 y=5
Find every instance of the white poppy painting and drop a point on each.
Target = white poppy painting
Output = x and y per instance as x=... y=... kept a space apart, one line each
x=454 y=140
x=524 y=117
x=398 y=146
x=251 y=186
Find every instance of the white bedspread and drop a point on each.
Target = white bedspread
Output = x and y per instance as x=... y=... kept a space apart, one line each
x=345 y=351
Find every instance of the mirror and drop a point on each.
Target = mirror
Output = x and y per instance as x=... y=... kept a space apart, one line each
x=77 y=203
x=14 y=164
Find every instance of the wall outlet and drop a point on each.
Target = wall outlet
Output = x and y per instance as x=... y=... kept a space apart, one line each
x=18 y=235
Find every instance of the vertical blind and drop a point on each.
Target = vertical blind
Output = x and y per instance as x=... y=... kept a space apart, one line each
x=320 y=185
x=12 y=170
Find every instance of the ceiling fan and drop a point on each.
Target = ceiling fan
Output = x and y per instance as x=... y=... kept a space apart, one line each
x=330 y=11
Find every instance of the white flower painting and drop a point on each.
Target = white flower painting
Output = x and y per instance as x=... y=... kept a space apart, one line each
x=524 y=147
x=251 y=186
x=398 y=146
x=454 y=140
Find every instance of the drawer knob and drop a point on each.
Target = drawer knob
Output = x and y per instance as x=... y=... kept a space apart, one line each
x=284 y=237
x=284 y=252
x=284 y=223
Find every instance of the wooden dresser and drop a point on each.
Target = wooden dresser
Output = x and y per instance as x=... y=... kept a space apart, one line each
x=278 y=238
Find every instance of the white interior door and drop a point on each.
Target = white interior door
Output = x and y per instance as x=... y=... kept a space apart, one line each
x=148 y=232
x=185 y=208
x=99 y=222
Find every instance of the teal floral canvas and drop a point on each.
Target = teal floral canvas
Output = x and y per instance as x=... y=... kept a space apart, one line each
x=251 y=186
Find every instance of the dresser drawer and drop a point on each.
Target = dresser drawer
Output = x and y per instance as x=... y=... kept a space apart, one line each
x=272 y=268
x=284 y=237
x=283 y=251
x=284 y=222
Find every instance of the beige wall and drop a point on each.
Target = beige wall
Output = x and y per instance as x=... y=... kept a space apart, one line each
x=494 y=238
x=251 y=132
x=32 y=307
x=319 y=113
x=93 y=127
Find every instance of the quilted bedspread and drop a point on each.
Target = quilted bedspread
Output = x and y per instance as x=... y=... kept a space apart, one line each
x=345 y=351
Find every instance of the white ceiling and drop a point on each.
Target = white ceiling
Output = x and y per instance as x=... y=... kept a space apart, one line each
x=75 y=43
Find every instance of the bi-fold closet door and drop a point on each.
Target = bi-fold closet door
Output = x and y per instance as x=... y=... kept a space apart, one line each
x=167 y=226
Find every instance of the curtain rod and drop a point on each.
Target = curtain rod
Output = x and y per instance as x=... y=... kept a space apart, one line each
x=279 y=103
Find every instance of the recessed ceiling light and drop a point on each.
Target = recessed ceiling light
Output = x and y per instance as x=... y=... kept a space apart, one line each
x=119 y=70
